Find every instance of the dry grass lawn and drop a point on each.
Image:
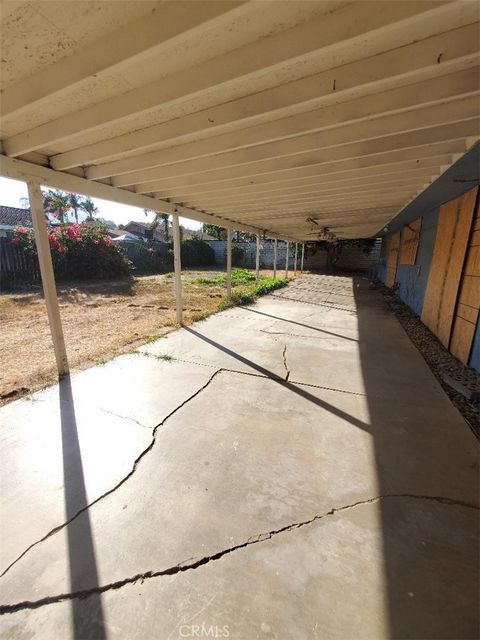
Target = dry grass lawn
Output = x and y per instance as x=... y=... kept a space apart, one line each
x=100 y=320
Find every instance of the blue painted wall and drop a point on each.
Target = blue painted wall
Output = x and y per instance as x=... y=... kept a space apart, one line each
x=475 y=355
x=411 y=280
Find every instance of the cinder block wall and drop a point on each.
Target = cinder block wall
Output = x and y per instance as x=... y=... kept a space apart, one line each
x=266 y=253
x=351 y=258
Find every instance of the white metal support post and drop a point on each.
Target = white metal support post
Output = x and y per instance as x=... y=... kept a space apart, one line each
x=48 y=278
x=287 y=244
x=177 y=263
x=296 y=257
x=257 y=258
x=275 y=249
x=229 y=264
x=302 y=258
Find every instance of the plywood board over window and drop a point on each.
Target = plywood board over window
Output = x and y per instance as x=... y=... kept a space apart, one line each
x=453 y=232
x=392 y=259
x=410 y=239
x=468 y=306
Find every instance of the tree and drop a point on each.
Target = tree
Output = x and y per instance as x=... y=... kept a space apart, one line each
x=166 y=222
x=216 y=232
x=244 y=236
x=162 y=218
x=60 y=203
x=221 y=234
x=57 y=203
x=334 y=248
x=75 y=202
x=89 y=207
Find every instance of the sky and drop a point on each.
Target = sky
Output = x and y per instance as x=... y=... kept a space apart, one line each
x=12 y=191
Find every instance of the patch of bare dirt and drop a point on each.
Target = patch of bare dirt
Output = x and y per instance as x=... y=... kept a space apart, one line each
x=100 y=320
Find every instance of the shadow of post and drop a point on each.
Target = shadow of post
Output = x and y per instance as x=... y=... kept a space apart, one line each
x=430 y=551
x=87 y=622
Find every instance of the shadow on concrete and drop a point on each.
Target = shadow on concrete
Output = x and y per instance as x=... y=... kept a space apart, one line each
x=430 y=553
x=81 y=549
x=300 y=324
x=295 y=388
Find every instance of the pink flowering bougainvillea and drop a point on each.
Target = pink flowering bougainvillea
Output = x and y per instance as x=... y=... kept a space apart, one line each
x=78 y=250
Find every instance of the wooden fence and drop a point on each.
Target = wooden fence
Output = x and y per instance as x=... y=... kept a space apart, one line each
x=16 y=266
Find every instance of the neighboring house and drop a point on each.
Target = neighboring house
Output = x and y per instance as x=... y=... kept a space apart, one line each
x=11 y=217
x=121 y=235
x=145 y=231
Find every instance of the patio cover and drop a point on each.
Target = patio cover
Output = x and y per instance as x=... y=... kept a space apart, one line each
x=290 y=118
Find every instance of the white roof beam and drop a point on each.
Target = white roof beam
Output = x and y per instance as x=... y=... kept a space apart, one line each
x=406 y=104
x=305 y=184
x=323 y=174
x=287 y=55
x=326 y=214
x=327 y=220
x=314 y=190
x=282 y=156
x=389 y=70
x=419 y=119
x=132 y=44
x=301 y=205
x=310 y=166
x=469 y=143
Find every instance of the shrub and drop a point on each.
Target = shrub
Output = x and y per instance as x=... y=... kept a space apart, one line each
x=147 y=259
x=78 y=251
x=196 y=253
x=238 y=256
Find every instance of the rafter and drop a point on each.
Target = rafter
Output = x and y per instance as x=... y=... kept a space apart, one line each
x=297 y=52
x=132 y=44
x=386 y=71
x=254 y=161
x=333 y=125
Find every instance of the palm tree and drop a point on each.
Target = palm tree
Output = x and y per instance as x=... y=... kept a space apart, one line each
x=166 y=220
x=89 y=207
x=57 y=203
x=164 y=217
x=76 y=202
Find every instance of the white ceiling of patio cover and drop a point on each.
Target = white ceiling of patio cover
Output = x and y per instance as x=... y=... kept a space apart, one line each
x=285 y=116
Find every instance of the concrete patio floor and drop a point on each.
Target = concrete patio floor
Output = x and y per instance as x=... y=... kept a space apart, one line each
x=289 y=469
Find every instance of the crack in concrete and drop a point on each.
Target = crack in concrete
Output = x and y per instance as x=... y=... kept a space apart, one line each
x=299 y=383
x=136 y=462
x=117 y=415
x=285 y=362
x=192 y=563
x=273 y=377
x=296 y=335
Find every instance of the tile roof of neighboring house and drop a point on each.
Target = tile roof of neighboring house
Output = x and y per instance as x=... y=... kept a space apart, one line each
x=157 y=234
x=15 y=216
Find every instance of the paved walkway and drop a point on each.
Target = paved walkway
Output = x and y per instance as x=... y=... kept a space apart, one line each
x=286 y=470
